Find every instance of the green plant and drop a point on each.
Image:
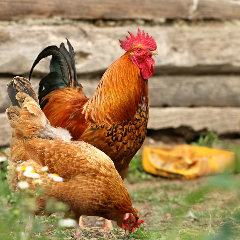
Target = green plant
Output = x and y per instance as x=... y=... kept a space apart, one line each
x=235 y=148
x=209 y=228
x=141 y=233
x=207 y=139
x=17 y=218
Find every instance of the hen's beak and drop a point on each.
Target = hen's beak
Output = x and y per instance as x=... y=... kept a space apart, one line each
x=154 y=52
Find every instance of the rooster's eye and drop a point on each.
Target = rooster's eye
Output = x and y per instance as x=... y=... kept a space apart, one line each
x=139 y=50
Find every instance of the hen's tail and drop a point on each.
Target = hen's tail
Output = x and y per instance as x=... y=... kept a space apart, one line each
x=20 y=84
x=25 y=115
x=62 y=70
x=26 y=118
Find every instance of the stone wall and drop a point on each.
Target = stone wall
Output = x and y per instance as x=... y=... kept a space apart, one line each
x=196 y=81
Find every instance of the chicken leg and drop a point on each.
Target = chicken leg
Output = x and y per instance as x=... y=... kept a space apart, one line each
x=81 y=225
x=106 y=226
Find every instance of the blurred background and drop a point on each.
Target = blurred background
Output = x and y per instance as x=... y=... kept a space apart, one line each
x=196 y=83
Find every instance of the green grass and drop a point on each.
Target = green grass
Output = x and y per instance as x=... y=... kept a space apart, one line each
x=136 y=172
x=144 y=194
x=141 y=233
x=213 y=221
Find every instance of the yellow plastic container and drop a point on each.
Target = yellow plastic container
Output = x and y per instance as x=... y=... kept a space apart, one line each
x=186 y=161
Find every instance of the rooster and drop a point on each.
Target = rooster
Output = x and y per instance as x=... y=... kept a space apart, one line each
x=92 y=185
x=115 y=118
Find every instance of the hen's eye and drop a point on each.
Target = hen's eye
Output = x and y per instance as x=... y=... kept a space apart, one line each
x=139 y=50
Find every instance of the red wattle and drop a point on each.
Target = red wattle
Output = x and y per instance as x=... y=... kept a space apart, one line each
x=146 y=66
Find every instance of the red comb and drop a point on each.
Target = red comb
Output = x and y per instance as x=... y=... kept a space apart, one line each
x=141 y=38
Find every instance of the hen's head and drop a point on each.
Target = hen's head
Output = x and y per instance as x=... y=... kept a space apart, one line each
x=130 y=222
x=141 y=48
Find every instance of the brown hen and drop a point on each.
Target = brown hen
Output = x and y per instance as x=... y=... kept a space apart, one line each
x=92 y=185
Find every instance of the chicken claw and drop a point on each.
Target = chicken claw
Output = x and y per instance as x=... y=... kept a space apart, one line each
x=107 y=225
x=78 y=233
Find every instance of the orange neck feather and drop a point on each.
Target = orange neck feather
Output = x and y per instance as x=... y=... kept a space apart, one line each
x=118 y=94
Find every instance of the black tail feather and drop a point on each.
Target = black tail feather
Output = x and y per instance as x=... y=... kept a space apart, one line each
x=72 y=55
x=48 y=84
x=62 y=70
x=58 y=53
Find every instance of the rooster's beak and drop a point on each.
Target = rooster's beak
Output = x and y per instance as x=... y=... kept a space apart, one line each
x=154 y=52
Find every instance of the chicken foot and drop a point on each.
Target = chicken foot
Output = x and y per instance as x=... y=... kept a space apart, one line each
x=107 y=225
